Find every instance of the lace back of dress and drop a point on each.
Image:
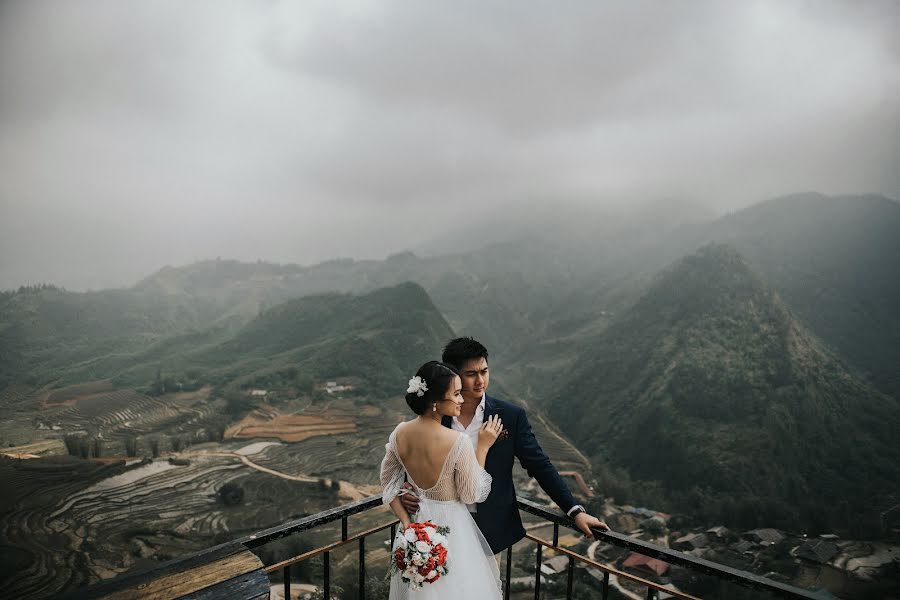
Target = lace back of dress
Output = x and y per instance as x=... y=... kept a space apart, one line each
x=444 y=490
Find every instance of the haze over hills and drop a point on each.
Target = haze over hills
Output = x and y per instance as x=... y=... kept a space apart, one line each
x=377 y=336
x=833 y=260
x=537 y=304
x=737 y=385
x=322 y=444
x=711 y=390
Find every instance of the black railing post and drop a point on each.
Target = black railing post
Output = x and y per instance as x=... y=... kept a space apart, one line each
x=555 y=535
x=605 y=585
x=570 y=573
x=650 y=593
x=537 y=572
x=326 y=585
x=287 y=582
x=508 y=573
x=362 y=568
x=344 y=529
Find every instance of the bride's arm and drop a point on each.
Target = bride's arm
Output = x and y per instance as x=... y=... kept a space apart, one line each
x=401 y=513
x=393 y=476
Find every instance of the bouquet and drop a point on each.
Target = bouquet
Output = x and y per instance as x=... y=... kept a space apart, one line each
x=420 y=555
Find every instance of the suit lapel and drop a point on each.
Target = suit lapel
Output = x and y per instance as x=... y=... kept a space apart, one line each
x=447 y=421
x=490 y=407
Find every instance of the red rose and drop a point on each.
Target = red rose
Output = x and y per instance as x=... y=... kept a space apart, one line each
x=441 y=553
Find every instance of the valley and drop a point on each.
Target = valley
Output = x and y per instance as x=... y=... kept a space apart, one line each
x=729 y=373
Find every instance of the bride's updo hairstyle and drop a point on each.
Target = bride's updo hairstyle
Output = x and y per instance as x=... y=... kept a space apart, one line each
x=437 y=377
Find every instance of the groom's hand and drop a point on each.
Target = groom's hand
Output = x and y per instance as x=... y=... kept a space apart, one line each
x=409 y=500
x=584 y=522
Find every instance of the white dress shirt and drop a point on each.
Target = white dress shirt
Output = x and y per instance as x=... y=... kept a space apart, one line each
x=472 y=433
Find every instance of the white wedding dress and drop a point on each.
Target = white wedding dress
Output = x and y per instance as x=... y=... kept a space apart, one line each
x=473 y=572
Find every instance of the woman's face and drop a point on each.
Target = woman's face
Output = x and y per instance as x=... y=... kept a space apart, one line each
x=452 y=401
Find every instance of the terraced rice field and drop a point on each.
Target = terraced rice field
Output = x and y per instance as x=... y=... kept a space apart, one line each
x=37 y=560
x=15 y=395
x=97 y=522
x=147 y=514
x=35 y=449
x=70 y=395
x=287 y=428
x=123 y=413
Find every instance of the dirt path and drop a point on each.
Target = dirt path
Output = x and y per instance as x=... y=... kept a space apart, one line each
x=348 y=490
x=250 y=464
x=580 y=481
x=554 y=432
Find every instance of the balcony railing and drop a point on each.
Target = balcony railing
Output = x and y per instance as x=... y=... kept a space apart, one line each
x=232 y=571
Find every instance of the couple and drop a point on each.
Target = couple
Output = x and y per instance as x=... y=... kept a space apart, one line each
x=453 y=466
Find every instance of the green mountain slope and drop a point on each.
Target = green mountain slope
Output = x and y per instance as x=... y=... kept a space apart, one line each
x=378 y=337
x=835 y=261
x=711 y=389
x=45 y=329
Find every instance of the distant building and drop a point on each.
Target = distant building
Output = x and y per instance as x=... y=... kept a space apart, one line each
x=764 y=536
x=691 y=541
x=820 y=551
x=262 y=393
x=641 y=562
x=332 y=387
x=743 y=546
x=555 y=565
x=721 y=532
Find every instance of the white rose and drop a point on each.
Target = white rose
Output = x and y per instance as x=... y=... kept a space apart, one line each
x=418 y=560
x=419 y=577
x=439 y=539
x=431 y=531
x=431 y=574
x=410 y=535
x=423 y=547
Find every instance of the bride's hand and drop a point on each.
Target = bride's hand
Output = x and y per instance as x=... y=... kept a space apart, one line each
x=490 y=431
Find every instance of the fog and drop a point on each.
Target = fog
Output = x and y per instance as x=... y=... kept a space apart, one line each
x=135 y=135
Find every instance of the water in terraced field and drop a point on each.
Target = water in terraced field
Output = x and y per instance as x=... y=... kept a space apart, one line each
x=256 y=448
x=131 y=476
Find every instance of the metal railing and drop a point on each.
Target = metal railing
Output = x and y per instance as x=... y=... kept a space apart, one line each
x=667 y=555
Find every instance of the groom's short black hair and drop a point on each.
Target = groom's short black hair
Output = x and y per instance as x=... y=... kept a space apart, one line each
x=459 y=351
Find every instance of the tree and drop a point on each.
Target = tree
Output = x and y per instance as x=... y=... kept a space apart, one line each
x=71 y=441
x=231 y=494
x=131 y=446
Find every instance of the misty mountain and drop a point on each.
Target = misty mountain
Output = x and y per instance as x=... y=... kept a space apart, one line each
x=711 y=389
x=830 y=259
x=378 y=336
x=47 y=328
x=833 y=260
x=497 y=293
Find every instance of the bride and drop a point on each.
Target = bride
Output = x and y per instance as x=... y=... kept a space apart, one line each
x=446 y=474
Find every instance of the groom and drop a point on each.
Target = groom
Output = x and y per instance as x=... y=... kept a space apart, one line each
x=498 y=516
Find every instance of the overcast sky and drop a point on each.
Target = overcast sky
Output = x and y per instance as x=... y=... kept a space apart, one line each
x=143 y=133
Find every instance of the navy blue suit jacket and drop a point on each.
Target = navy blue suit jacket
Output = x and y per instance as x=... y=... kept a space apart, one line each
x=498 y=516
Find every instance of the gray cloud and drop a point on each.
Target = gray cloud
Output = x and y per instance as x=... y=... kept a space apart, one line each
x=135 y=135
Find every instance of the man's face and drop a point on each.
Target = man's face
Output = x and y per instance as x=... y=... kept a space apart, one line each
x=475 y=377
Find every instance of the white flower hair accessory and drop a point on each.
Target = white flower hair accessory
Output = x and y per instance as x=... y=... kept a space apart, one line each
x=417 y=385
